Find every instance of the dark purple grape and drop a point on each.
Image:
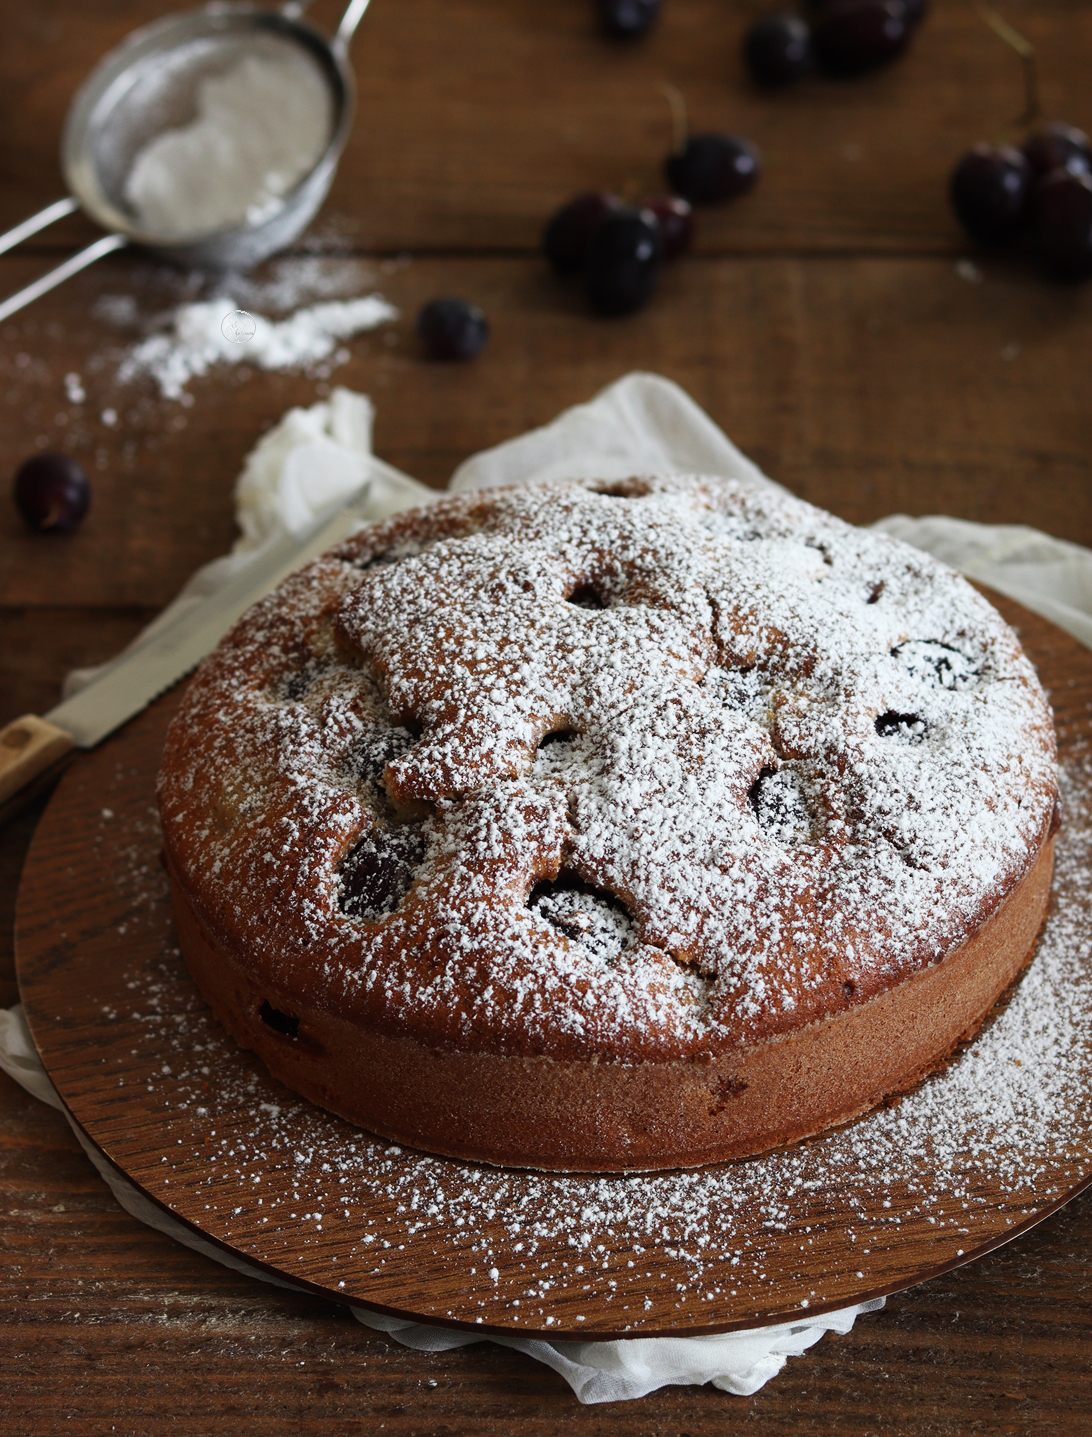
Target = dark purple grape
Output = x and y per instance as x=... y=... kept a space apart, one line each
x=628 y=18
x=675 y=218
x=1058 y=147
x=452 y=329
x=713 y=168
x=854 y=36
x=989 y=193
x=567 y=235
x=623 y=262
x=777 y=49
x=1063 y=224
x=52 y=493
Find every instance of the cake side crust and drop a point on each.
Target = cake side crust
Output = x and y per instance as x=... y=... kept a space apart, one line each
x=555 y=1115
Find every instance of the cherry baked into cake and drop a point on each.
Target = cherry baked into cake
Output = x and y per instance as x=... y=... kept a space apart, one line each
x=603 y=826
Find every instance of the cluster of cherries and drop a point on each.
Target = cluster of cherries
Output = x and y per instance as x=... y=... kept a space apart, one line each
x=617 y=249
x=52 y=493
x=841 y=38
x=1043 y=188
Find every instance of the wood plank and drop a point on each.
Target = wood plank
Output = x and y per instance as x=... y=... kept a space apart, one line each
x=868 y=387
x=445 y=84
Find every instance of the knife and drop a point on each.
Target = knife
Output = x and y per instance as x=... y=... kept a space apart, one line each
x=33 y=749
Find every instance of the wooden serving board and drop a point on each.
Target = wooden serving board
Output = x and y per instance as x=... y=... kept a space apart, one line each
x=973 y=1157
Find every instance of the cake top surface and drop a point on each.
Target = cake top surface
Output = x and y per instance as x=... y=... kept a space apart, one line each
x=622 y=769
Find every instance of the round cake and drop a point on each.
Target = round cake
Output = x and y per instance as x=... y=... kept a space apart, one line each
x=610 y=826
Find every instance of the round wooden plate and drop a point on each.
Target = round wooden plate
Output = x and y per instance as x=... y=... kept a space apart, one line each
x=975 y=1155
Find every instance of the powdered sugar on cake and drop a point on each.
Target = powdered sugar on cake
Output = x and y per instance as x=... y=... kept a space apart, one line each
x=628 y=770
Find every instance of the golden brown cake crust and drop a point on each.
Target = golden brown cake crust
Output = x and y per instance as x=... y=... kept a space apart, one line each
x=786 y=840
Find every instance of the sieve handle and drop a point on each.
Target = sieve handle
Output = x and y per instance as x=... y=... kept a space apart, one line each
x=55 y=211
x=349 y=21
x=57 y=276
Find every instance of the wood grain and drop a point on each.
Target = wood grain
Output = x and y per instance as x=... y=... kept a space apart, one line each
x=870 y=387
x=117 y=1020
x=478 y=117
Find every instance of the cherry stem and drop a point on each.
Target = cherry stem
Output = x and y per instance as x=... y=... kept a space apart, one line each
x=1033 y=109
x=679 y=125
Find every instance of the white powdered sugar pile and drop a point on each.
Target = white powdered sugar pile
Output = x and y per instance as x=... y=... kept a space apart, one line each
x=195 y=341
x=259 y=129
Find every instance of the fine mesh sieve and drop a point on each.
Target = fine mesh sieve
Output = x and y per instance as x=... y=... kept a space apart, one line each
x=148 y=85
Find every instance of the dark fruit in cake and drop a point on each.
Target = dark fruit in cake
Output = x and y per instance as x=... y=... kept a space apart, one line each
x=623 y=262
x=711 y=168
x=854 y=36
x=1058 y=147
x=628 y=18
x=452 y=329
x=777 y=49
x=52 y=493
x=1063 y=224
x=379 y=871
x=568 y=233
x=675 y=218
x=989 y=193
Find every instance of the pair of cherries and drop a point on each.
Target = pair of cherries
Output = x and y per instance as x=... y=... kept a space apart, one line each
x=617 y=249
x=842 y=38
x=1043 y=188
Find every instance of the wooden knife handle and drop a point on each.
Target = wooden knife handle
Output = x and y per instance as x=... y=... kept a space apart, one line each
x=28 y=746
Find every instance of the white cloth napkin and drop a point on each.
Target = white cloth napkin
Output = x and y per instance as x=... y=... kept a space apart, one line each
x=643 y=424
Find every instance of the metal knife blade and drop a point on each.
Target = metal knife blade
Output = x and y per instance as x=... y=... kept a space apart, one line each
x=140 y=674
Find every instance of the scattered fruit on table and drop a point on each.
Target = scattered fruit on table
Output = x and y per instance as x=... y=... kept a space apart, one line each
x=1044 y=188
x=1058 y=147
x=1062 y=217
x=628 y=18
x=777 y=49
x=622 y=264
x=855 y=36
x=52 y=493
x=844 y=38
x=989 y=193
x=711 y=168
x=568 y=233
x=675 y=217
x=452 y=329
x=617 y=249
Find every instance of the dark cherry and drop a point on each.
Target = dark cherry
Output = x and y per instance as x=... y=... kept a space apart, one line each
x=623 y=262
x=452 y=329
x=777 y=49
x=675 y=217
x=989 y=193
x=52 y=493
x=855 y=36
x=568 y=234
x=628 y=18
x=911 y=728
x=713 y=168
x=1058 y=147
x=1063 y=224
x=379 y=871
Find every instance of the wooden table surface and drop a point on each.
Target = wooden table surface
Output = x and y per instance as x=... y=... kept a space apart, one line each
x=826 y=323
